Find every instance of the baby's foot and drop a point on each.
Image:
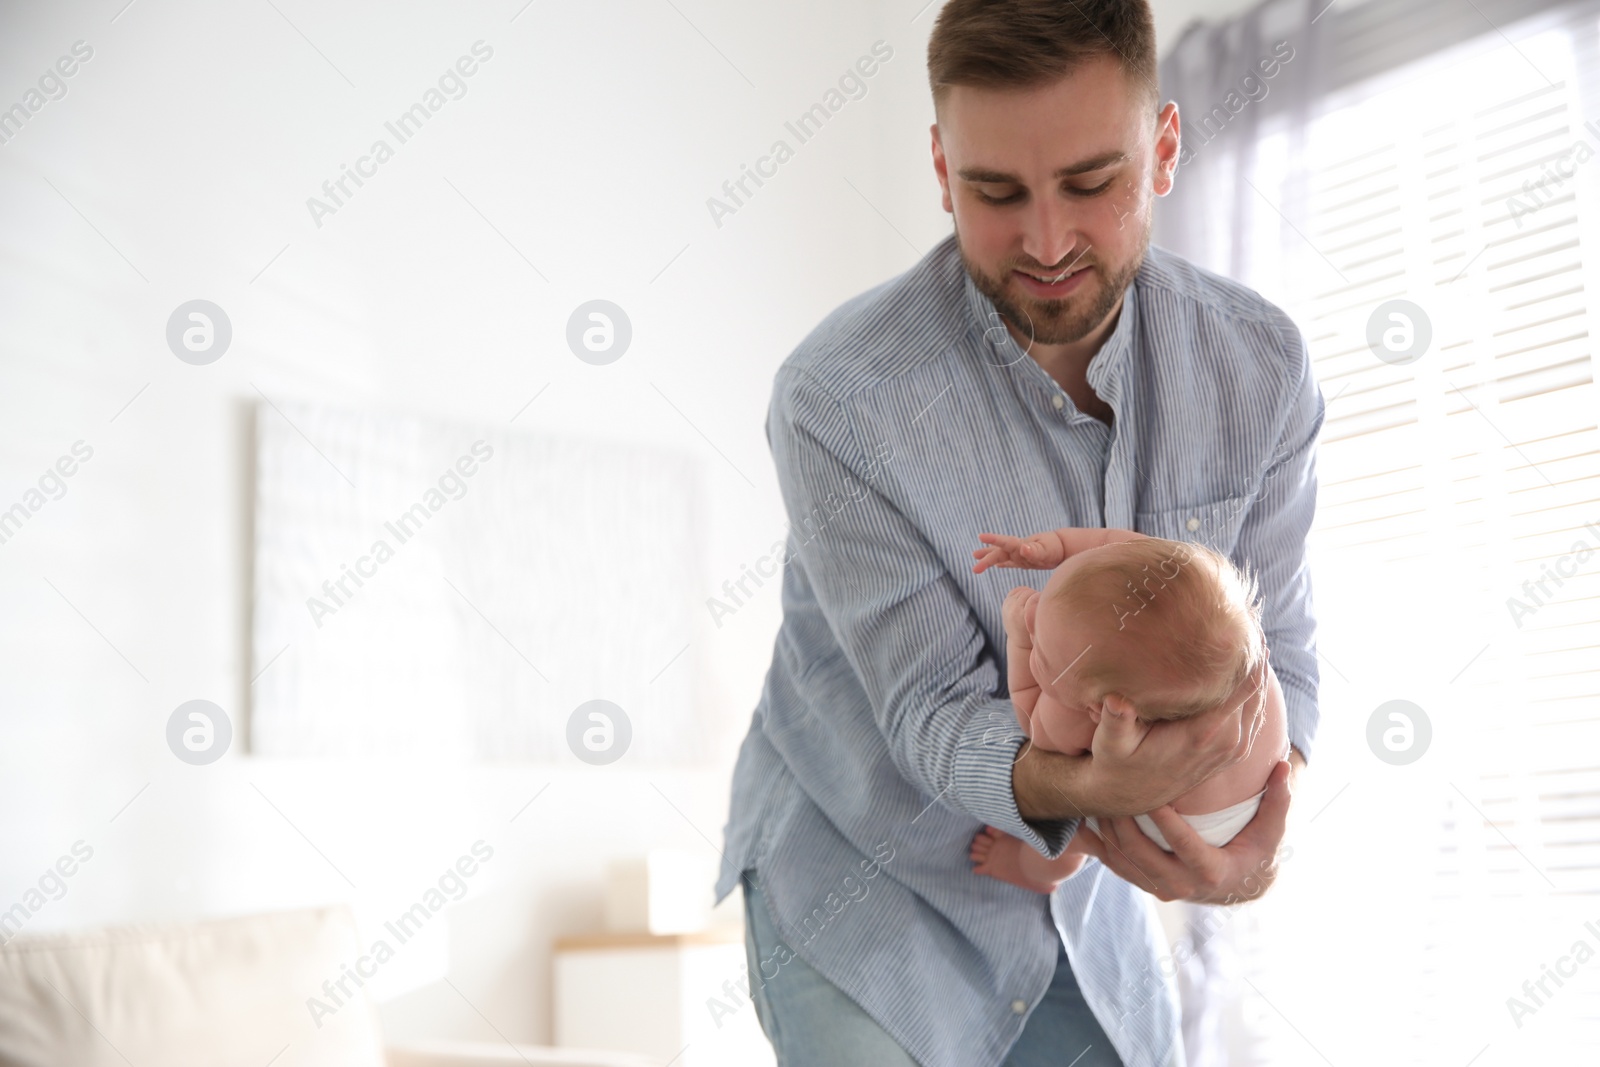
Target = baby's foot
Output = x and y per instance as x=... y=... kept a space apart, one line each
x=999 y=855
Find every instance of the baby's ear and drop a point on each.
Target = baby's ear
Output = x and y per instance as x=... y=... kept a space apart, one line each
x=1121 y=706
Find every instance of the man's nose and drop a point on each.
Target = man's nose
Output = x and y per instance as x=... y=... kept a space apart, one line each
x=1052 y=237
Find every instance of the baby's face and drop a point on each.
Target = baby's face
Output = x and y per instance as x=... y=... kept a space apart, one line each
x=1062 y=639
x=1059 y=643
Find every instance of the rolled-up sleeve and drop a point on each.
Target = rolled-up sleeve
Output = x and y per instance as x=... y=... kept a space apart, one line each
x=912 y=639
x=1272 y=538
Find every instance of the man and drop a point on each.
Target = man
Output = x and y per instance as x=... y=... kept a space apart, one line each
x=1126 y=388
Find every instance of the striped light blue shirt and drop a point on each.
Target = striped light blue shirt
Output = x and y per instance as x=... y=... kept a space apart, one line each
x=903 y=425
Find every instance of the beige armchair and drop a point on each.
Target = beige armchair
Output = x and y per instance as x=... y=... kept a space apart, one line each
x=220 y=993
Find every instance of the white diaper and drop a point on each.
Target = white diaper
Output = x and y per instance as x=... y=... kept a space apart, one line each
x=1214 y=827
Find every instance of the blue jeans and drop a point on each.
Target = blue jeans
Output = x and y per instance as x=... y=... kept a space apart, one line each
x=812 y=1023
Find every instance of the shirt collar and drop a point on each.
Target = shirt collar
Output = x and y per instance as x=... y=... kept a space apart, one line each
x=1001 y=349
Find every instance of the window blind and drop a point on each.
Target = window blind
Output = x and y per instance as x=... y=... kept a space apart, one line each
x=1459 y=527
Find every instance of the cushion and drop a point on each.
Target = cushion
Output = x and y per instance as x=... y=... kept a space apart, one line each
x=216 y=993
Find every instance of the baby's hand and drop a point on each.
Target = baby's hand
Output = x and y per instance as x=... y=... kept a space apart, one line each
x=1014 y=616
x=1044 y=551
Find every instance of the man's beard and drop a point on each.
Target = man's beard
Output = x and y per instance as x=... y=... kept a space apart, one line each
x=1058 y=320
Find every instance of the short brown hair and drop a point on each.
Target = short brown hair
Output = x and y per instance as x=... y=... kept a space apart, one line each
x=1021 y=44
x=1165 y=609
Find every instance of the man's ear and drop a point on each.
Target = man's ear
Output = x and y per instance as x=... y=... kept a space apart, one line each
x=941 y=169
x=1169 y=149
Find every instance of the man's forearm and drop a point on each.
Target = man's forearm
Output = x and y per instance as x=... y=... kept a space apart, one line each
x=1043 y=783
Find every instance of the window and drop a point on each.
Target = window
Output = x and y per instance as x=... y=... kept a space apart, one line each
x=1456 y=555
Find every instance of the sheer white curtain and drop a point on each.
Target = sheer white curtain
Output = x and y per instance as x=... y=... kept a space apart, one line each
x=1418 y=185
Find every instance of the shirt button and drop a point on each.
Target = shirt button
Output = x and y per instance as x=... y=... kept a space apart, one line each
x=1058 y=402
x=1193 y=524
x=1019 y=1006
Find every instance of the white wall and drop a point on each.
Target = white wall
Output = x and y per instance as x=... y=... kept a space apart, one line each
x=177 y=166
x=1172 y=16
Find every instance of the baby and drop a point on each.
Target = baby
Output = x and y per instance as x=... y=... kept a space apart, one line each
x=1170 y=627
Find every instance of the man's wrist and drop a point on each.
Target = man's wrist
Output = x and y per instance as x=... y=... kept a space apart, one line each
x=1039 y=780
x=1051 y=786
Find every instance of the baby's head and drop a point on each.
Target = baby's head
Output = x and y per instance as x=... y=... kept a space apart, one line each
x=1171 y=626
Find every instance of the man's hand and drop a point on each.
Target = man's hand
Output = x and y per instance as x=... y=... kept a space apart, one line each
x=1120 y=772
x=1240 y=871
x=1138 y=766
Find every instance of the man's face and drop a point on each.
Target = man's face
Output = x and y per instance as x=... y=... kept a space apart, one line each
x=1051 y=179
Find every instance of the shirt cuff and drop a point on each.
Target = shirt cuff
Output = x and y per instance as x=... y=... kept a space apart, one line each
x=1301 y=709
x=980 y=782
